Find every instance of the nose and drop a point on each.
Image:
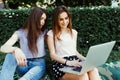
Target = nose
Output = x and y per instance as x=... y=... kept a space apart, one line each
x=64 y=20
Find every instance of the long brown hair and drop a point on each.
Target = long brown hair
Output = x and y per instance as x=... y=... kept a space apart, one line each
x=32 y=25
x=55 y=25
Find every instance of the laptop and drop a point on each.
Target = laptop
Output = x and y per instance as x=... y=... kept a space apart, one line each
x=96 y=56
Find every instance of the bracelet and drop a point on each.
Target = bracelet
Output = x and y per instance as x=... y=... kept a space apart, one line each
x=66 y=62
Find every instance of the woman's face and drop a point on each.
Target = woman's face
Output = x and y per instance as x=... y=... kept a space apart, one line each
x=43 y=19
x=63 y=20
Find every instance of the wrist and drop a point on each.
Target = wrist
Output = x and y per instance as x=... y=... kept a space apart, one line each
x=15 y=49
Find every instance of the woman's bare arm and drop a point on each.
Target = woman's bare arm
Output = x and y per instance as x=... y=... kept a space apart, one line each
x=51 y=48
x=8 y=46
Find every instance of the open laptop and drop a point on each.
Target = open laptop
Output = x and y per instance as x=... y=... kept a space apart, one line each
x=96 y=56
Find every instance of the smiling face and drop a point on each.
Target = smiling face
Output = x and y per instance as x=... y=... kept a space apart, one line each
x=63 y=20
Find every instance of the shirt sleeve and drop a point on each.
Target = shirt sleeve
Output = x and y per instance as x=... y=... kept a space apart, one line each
x=74 y=34
x=50 y=33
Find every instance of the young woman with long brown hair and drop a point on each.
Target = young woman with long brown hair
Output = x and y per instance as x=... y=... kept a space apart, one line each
x=28 y=59
x=62 y=41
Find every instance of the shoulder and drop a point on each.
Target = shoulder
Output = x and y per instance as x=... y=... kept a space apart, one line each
x=50 y=33
x=44 y=32
x=15 y=34
x=74 y=31
x=20 y=32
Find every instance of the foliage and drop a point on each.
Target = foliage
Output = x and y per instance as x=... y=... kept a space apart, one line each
x=75 y=3
x=13 y=4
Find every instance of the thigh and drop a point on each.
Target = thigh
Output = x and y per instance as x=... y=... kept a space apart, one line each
x=69 y=76
x=8 y=68
x=36 y=69
x=94 y=74
x=35 y=73
x=21 y=70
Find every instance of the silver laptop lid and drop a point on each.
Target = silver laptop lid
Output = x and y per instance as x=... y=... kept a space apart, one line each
x=100 y=53
x=97 y=55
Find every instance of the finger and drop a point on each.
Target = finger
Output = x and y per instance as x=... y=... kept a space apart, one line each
x=25 y=62
x=17 y=61
x=77 y=60
x=78 y=64
x=21 y=62
x=73 y=60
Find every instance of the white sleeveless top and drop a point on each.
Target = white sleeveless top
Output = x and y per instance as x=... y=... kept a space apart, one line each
x=67 y=45
x=24 y=44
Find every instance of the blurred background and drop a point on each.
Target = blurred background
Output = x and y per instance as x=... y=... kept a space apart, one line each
x=15 y=4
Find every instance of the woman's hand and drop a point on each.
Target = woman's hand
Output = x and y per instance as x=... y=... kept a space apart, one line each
x=75 y=63
x=20 y=57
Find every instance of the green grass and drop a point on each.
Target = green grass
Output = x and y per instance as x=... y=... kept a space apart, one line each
x=114 y=56
x=2 y=56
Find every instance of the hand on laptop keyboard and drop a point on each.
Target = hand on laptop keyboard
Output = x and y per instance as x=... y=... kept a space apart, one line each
x=75 y=63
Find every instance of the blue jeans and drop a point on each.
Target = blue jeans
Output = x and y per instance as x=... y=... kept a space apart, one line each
x=34 y=69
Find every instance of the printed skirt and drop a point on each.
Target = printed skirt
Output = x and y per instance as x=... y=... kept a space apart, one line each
x=56 y=66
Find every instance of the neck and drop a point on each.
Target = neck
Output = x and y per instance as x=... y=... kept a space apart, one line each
x=64 y=30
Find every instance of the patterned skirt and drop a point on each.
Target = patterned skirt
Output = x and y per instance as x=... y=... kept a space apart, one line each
x=56 y=66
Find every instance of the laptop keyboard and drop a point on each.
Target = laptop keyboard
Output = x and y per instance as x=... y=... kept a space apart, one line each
x=78 y=69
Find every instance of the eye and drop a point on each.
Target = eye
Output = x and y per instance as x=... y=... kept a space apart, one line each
x=60 y=19
x=66 y=18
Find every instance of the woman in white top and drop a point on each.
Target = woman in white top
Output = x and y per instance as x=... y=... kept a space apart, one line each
x=28 y=59
x=62 y=40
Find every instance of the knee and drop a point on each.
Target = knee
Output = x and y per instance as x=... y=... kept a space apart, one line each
x=10 y=58
x=95 y=70
x=94 y=74
x=83 y=77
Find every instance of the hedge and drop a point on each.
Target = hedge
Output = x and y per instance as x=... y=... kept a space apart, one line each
x=95 y=25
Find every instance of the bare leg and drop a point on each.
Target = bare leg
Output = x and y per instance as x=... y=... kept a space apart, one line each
x=94 y=74
x=69 y=76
